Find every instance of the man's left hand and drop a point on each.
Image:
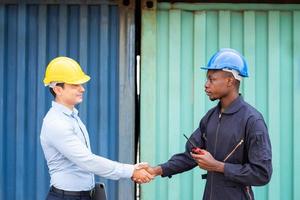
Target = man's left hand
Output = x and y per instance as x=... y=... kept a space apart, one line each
x=207 y=162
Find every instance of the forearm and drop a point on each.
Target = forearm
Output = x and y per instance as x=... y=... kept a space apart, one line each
x=177 y=164
x=107 y=168
x=157 y=171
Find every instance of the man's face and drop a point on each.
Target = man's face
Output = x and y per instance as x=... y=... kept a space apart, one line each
x=217 y=84
x=70 y=94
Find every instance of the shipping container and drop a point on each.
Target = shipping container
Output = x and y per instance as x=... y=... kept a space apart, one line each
x=177 y=39
x=100 y=35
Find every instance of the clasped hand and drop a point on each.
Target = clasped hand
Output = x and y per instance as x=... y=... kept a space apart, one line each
x=143 y=173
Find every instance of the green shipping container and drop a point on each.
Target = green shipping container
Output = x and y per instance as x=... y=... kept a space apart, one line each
x=179 y=38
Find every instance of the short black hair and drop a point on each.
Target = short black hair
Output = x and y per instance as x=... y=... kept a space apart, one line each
x=57 y=84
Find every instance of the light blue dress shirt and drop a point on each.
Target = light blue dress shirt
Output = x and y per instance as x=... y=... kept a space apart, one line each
x=66 y=145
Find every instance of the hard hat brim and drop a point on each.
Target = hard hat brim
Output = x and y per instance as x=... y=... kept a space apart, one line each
x=85 y=78
x=82 y=80
x=207 y=68
x=220 y=68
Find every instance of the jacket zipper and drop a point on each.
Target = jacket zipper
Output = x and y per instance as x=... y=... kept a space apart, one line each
x=248 y=192
x=234 y=149
x=215 y=149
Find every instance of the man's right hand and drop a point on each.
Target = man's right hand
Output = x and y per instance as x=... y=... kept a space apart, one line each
x=140 y=175
x=152 y=171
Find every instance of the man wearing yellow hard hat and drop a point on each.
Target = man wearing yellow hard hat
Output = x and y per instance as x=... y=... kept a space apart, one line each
x=65 y=140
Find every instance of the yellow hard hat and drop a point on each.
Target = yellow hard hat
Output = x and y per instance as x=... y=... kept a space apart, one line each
x=65 y=70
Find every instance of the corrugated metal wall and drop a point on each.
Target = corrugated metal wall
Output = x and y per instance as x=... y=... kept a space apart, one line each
x=179 y=38
x=30 y=36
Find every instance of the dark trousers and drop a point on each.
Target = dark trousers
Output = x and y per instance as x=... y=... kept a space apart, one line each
x=54 y=196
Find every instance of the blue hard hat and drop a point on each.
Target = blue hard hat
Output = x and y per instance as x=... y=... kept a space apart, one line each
x=227 y=58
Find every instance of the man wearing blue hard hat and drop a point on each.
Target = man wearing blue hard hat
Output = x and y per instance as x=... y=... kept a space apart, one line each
x=233 y=137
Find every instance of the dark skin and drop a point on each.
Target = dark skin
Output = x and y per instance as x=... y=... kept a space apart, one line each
x=220 y=85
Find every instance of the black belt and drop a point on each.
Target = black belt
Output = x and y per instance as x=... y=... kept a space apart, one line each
x=72 y=193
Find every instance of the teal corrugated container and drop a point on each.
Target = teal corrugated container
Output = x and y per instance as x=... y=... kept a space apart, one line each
x=179 y=38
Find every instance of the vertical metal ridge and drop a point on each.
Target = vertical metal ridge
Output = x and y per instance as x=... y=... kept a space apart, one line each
x=73 y=31
x=20 y=108
x=224 y=29
x=52 y=28
x=286 y=93
x=148 y=93
x=92 y=70
x=126 y=93
x=83 y=51
x=2 y=56
x=63 y=25
x=114 y=33
x=296 y=106
x=103 y=129
x=31 y=101
x=237 y=36
x=237 y=30
x=199 y=61
x=41 y=173
x=249 y=53
x=274 y=98
x=174 y=93
x=212 y=41
x=114 y=83
x=186 y=92
x=103 y=62
x=199 y=82
x=11 y=83
x=162 y=108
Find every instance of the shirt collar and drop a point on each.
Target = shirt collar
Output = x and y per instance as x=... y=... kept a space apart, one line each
x=64 y=109
x=234 y=106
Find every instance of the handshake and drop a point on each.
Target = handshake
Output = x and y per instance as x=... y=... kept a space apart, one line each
x=144 y=173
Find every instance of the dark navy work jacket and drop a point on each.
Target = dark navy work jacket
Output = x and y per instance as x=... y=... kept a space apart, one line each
x=240 y=136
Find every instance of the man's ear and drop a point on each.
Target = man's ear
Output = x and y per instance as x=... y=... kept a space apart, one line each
x=57 y=90
x=230 y=81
